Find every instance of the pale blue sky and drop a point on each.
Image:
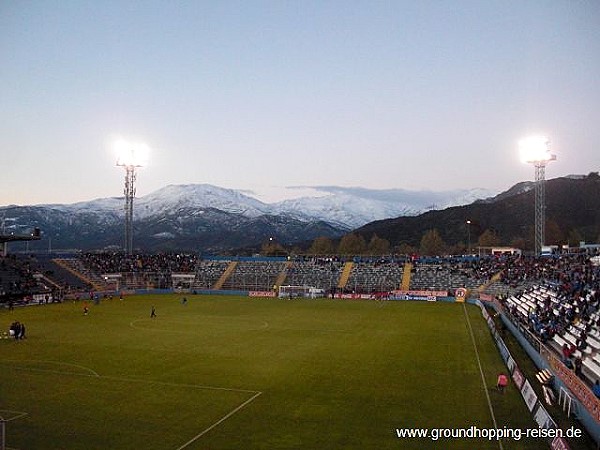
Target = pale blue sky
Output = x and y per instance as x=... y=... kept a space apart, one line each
x=262 y=95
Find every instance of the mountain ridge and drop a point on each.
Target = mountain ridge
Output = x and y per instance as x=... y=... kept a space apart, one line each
x=341 y=206
x=572 y=215
x=211 y=218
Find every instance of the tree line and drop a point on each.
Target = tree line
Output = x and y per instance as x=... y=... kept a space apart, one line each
x=431 y=244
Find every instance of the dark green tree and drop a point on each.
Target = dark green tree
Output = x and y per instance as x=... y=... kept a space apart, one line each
x=489 y=238
x=321 y=246
x=352 y=244
x=378 y=246
x=432 y=243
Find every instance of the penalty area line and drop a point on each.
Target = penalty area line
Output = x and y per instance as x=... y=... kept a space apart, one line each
x=220 y=421
x=92 y=372
x=15 y=415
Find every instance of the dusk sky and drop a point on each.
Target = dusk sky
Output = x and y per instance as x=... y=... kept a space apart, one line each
x=259 y=96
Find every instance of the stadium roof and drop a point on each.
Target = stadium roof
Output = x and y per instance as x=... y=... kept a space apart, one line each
x=33 y=236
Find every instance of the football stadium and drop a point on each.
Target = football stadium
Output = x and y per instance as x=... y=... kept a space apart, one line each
x=178 y=351
x=290 y=225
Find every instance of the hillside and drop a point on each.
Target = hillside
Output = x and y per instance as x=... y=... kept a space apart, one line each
x=572 y=208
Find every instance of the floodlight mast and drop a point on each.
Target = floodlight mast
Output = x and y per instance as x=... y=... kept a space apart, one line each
x=535 y=150
x=130 y=157
x=129 y=192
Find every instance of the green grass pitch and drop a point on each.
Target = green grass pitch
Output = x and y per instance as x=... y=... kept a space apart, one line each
x=246 y=373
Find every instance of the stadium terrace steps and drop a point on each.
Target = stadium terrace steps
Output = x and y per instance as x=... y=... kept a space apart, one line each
x=369 y=277
x=75 y=267
x=208 y=273
x=320 y=273
x=254 y=276
x=492 y=280
x=283 y=275
x=230 y=269
x=345 y=276
x=43 y=278
x=406 y=276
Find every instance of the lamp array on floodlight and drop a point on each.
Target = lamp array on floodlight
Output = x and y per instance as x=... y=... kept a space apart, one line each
x=130 y=155
x=535 y=149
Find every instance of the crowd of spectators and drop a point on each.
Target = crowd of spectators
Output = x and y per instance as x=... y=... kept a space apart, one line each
x=113 y=262
x=369 y=274
x=563 y=309
x=17 y=276
x=574 y=279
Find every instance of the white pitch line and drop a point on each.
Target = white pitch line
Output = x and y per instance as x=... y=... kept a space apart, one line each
x=163 y=383
x=220 y=421
x=162 y=330
x=189 y=386
x=487 y=394
x=312 y=330
x=18 y=415
x=133 y=325
x=59 y=363
x=133 y=380
x=56 y=372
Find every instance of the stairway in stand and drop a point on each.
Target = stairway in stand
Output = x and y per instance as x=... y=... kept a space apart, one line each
x=406 y=274
x=221 y=281
x=345 y=276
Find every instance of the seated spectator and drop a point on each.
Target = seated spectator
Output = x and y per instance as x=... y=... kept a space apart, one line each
x=578 y=367
x=596 y=389
x=568 y=363
x=568 y=352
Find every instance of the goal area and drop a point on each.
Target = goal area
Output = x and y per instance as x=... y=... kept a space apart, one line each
x=300 y=292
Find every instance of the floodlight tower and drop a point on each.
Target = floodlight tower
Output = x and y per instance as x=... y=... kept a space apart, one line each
x=536 y=150
x=130 y=156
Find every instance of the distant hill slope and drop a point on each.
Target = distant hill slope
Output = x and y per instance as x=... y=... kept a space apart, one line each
x=572 y=204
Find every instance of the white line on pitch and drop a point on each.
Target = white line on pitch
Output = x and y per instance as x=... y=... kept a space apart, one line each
x=131 y=380
x=59 y=363
x=218 y=422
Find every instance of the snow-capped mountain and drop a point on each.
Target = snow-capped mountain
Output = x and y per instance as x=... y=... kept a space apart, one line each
x=199 y=196
x=212 y=218
x=346 y=208
x=355 y=207
x=342 y=210
x=517 y=189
